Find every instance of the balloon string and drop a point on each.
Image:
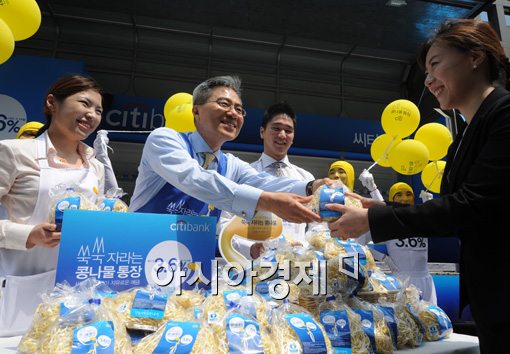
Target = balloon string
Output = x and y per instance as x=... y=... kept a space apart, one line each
x=383 y=154
x=438 y=173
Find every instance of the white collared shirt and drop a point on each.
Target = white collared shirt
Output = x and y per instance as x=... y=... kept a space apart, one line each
x=166 y=158
x=19 y=184
x=263 y=164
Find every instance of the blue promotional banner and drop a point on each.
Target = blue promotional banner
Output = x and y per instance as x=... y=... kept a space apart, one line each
x=142 y=114
x=124 y=249
x=24 y=82
x=128 y=113
x=333 y=133
x=23 y=86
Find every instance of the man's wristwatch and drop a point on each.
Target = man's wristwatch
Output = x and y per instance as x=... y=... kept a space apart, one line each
x=309 y=188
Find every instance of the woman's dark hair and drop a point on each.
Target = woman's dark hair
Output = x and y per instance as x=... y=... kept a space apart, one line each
x=467 y=35
x=67 y=86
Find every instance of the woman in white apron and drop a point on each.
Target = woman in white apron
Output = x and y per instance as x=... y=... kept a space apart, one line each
x=28 y=170
x=410 y=255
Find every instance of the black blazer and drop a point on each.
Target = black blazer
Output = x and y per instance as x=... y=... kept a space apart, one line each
x=475 y=194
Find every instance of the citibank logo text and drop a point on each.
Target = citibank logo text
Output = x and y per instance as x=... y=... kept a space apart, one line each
x=139 y=116
x=182 y=225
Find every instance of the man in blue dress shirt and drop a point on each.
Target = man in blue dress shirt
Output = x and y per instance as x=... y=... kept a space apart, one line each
x=187 y=173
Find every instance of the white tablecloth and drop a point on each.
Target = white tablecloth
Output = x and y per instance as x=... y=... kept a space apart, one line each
x=456 y=344
x=8 y=345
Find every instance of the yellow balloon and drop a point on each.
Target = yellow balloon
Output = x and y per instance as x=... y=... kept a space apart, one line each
x=22 y=16
x=400 y=118
x=436 y=137
x=176 y=100
x=180 y=118
x=381 y=147
x=6 y=42
x=263 y=226
x=409 y=157
x=432 y=175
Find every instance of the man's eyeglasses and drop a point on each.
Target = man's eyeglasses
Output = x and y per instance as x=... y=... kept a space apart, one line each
x=226 y=104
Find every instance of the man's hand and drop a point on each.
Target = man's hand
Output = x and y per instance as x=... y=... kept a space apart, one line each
x=426 y=196
x=366 y=202
x=256 y=250
x=352 y=224
x=288 y=206
x=319 y=182
x=43 y=235
x=367 y=180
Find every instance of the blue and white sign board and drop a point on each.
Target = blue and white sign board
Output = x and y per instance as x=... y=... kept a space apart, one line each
x=122 y=249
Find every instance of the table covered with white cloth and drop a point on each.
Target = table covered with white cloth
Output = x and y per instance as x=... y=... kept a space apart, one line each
x=456 y=344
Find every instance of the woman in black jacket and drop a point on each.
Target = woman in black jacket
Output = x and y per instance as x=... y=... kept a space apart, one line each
x=463 y=60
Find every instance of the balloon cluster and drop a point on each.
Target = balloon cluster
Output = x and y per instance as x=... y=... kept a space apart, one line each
x=178 y=112
x=19 y=20
x=410 y=156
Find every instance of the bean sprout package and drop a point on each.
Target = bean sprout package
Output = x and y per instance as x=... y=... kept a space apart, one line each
x=70 y=320
x=111 y=201
x=374 y=325
x=64 y=197
x=145 y=309
x=335 y=193
x=317 y=235
x=404 y=330
x=436 y=322
x=296 y=331
x=180 y=337
x=343 y=327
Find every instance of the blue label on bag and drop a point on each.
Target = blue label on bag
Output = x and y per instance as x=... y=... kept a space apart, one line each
x=367 y=322
x=107 y=204
x=417 y=319
x=149 y=305
x=70 y=305
x=320 y=255
x=336 y=324
x=391 y=322
x=392 y=283
x=73 y=311
x=198 y=313
x=232 y=298
x=96 y=337
x=71 y=203
x=389 y=282
x=327 y=196
x=354 y=247
x=178 y=338
x=269 y=256
x=339 y=350
x=442 y=318
x=308 y=331
x=243 y=335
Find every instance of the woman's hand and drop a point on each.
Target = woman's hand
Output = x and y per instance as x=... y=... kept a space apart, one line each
x=353 y=222
x=43 y=235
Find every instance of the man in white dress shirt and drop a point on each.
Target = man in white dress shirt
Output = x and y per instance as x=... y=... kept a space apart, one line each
x=277 y=133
